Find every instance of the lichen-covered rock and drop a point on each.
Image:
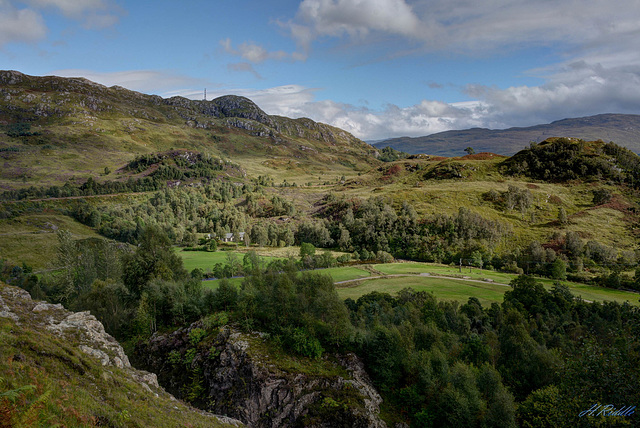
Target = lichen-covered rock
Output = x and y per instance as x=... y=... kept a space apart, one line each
x=93 y=335
x=232 y=373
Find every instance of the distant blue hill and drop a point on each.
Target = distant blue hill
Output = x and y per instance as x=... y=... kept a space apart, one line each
x=622 y=129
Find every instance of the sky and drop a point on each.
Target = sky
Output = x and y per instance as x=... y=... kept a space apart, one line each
x=376 y=68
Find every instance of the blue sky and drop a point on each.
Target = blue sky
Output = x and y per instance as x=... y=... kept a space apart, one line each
x=377 y=68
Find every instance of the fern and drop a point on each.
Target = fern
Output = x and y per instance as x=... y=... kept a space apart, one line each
x=13 y=394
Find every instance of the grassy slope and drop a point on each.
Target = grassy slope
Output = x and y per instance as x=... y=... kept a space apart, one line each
x=66 y=387
x=444 y=289
x=608 y=225
x=32 y=238
x=84 y=127
x=461 y=290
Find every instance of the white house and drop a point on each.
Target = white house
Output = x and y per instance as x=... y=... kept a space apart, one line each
x=230 y=237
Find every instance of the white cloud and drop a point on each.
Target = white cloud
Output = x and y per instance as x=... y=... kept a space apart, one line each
x=244 y=67
x=28 y=25
x=255 y=53
x=425 y=118
x=577 y=89
x=71 y=8
x=164 y=83
x=20 y=25
x=358 y=17
x=468 y=27
x=94 y=14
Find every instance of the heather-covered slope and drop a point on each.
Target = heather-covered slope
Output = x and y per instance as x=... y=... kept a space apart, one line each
x=54 y=129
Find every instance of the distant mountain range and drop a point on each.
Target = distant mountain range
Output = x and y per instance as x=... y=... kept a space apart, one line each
x=622 y=129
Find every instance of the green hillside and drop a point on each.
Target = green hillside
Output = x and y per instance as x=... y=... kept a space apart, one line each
x=49 y=379
x=58 y=129
x=122 y=204
x=507 y=191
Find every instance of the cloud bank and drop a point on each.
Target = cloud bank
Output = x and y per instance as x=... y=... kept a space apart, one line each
x=464 y=26
x=27 y=25
x=20 y=25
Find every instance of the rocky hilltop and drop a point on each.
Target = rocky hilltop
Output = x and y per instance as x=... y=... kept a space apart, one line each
x=225 y=371
x=61 y=368
x=53 y=129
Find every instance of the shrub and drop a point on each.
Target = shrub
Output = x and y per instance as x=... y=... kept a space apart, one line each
x=304 y=344
x=601 y=196
x=218 y=319
x=196 y=335
x=174 y=357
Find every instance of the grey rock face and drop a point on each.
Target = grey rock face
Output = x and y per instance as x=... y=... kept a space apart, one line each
x=240 y=380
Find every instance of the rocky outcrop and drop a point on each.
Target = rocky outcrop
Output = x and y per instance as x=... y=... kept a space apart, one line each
x=237 y=377
x=87 y=330
x=83 y=331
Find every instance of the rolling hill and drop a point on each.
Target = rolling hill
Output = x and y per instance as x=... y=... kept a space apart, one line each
x=55 y=129
x=623 y=129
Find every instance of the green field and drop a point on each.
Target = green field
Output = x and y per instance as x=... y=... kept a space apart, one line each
x=442 y=288
x=461 y=289
x=345 y=273
x=594 y=293
x=213 y=284
x=203 y=259
x=459 y=286
x=338 y=274
x=587 y=292
x=417 y=268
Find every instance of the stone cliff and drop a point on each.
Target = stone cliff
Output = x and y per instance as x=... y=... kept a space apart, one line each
x=226 y=371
